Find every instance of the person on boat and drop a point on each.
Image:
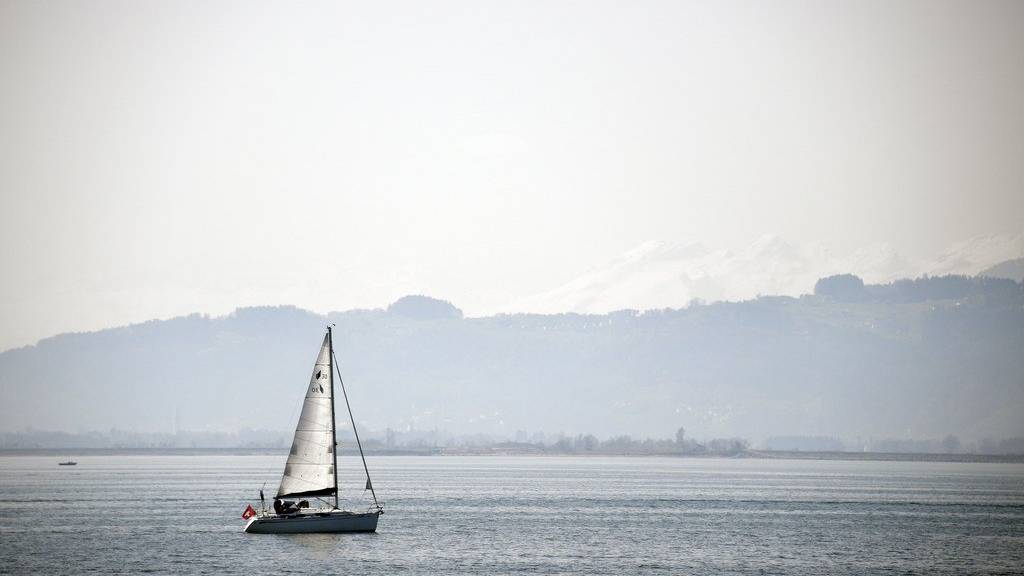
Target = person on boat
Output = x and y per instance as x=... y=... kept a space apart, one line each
x=286 y=507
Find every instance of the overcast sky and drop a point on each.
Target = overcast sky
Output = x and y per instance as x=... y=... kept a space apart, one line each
x=160 y=158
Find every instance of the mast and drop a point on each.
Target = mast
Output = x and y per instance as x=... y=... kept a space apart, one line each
x=334 y=425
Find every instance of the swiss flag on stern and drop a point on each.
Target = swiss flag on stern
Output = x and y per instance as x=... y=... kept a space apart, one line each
x=249 y=512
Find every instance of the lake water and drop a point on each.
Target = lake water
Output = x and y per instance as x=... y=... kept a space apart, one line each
x=494 y=515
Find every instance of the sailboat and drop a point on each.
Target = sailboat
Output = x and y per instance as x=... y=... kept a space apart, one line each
x=311 y=471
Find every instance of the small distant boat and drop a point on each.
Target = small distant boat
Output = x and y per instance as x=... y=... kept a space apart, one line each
x=69 y=462
x=311 y=471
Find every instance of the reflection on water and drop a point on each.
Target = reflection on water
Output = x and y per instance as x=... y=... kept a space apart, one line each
x=325 y=547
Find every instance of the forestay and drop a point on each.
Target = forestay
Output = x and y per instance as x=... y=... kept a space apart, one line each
x=310 y=467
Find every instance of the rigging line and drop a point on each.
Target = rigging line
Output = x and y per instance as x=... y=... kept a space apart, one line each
x=355 y=432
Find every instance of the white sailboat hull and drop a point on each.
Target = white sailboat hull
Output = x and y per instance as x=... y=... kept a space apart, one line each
x=323 y=522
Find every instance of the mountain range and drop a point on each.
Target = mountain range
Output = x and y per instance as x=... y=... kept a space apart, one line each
x=916 y=358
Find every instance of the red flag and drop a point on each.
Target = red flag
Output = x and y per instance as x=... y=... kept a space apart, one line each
x=249 y=512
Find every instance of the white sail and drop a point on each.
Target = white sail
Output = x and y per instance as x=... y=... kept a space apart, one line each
x=310 y=467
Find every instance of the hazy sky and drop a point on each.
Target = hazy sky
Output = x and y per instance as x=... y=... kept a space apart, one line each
x=159 y=158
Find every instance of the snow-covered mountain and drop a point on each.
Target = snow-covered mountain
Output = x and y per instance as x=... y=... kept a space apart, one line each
x=975 y=255
x=660 y=274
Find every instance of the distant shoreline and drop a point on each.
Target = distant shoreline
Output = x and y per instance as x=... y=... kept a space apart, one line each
x=884 y=456
x=511 y=452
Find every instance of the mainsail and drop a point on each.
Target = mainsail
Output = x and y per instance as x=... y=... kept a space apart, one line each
x=310 y=467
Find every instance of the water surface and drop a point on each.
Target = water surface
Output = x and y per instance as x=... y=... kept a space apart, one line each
x=492 y=515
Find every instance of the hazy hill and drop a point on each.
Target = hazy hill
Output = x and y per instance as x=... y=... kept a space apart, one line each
x=1013 y=269
x=915 y=358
